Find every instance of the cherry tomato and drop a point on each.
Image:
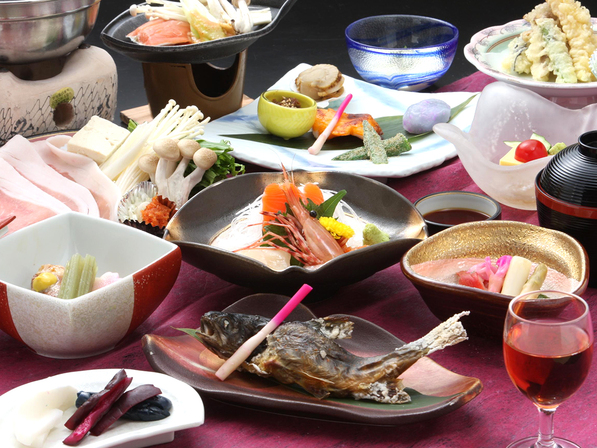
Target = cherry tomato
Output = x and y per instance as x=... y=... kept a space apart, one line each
x=530 y=150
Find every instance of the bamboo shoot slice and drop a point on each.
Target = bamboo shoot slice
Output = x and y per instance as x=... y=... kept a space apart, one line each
x=517 y=276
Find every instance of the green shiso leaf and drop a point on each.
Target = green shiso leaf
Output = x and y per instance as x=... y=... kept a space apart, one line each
x=326 y=208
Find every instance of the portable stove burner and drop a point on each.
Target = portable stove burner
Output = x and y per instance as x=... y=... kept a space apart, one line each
x=58 y=94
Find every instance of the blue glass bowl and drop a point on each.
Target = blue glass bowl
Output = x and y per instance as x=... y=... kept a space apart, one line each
x=401 y=52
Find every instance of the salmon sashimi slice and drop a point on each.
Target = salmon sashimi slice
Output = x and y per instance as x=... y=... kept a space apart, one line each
x=160 y=32
x=274 y=200
x=348 y=124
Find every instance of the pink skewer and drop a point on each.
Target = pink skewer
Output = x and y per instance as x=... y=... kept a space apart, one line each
x=251 y=344
x=7 y=221
x=330 y=127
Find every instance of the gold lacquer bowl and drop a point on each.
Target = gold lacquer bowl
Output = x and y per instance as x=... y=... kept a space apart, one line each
x=286 y=122
x=480 y=239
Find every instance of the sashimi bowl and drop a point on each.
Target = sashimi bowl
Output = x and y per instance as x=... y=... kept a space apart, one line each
x=433 y=264
x=509 y=113
x=209 y=214
x=94 y=322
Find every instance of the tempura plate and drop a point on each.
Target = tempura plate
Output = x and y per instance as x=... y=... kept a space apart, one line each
x=488 y=48
x=434 y=390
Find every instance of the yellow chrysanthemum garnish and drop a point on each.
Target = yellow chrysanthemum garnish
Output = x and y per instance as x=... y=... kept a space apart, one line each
x=337 y=229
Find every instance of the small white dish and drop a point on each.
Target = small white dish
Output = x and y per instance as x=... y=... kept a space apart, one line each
x=488 y=48
x=187 y=410
x=58 y=328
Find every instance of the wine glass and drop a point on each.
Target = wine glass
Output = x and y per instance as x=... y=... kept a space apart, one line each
x=548 y=346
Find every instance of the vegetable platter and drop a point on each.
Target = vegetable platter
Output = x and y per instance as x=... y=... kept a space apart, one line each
x=252 y=144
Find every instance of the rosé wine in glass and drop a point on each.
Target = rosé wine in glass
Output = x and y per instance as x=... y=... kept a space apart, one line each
x=548 y=347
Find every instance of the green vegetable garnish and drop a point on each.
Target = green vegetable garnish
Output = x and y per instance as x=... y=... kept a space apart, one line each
x=224 y=167
x=79 y=276
x=326 y=208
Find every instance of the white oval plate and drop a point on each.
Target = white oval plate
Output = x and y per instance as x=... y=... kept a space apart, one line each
x=426 y=153
x=187 y=410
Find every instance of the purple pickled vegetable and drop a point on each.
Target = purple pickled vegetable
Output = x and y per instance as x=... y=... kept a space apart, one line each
x=124 y=403
x=102 y=406
x=88 y=406
x=420 y=117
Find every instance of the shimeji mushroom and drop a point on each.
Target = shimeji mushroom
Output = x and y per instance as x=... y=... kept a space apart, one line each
x=169 y=154
x=187 y=148
x=204 y=159
x=148 y=163
x=174 y=158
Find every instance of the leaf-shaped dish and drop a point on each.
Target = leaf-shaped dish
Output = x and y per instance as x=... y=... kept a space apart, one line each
x=212 y=210
x=114 y=36
x=434 y=390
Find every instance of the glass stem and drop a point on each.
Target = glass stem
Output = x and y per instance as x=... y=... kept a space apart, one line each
x=545 y=439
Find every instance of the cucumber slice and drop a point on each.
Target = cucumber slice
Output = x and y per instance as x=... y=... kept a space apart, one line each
x=542 y=140
x=556 y=148
x=512 y=144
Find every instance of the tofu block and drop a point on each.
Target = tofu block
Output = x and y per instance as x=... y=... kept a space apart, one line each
x=509 y=160
x=98 y=139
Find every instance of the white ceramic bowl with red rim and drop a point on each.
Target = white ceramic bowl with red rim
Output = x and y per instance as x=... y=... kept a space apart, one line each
x=95 y=322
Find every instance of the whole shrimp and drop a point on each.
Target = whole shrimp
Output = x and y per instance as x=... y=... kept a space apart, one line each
x=323 y=245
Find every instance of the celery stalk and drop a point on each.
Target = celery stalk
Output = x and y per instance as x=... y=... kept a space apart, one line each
x=72 y=275
x=88 y=272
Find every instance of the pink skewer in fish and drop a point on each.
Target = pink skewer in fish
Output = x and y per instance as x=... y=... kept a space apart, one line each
x=251 y=344
x=6 y=222
x=330 y=127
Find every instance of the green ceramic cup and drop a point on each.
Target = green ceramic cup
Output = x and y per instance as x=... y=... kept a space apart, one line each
x=286 y=122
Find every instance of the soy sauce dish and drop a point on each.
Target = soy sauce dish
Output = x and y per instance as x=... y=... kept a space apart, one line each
x=449 y=208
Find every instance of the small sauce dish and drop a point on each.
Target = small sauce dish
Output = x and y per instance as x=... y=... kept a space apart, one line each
x=449 y=208
x=279 y=119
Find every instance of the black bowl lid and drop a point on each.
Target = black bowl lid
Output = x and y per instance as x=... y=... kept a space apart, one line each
x=571 y=175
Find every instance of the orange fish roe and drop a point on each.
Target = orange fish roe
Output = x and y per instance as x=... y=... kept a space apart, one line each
x=158 y=212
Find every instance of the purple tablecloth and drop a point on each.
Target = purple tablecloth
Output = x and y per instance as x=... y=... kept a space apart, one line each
x=499 y=415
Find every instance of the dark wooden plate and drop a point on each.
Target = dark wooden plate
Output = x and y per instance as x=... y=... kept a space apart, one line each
x=434 y=390
x=212 y=210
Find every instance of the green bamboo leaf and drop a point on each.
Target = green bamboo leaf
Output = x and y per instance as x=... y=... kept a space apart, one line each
x=189 y=331
x=390 y=126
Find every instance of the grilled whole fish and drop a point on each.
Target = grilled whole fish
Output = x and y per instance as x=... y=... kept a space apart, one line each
x=306 y=353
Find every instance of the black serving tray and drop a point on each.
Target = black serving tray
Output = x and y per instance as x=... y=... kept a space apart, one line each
x=114 y=36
